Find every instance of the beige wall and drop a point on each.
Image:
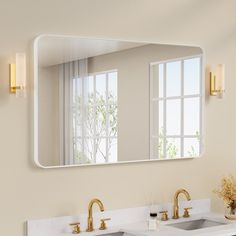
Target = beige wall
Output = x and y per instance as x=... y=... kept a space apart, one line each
x=28 y=192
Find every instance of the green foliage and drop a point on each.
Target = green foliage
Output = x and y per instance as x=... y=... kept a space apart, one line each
x=171 y=148
x=192 y=152
x=79 y=157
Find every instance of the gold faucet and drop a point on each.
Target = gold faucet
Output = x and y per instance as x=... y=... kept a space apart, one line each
x=176 y=204
x=90 y=213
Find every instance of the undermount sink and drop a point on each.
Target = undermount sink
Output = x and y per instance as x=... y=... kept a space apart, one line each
x=113 y=234
x=117 y=234
x=197 y=224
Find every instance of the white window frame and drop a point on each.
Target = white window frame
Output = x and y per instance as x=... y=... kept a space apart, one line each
x=106 y=137
x=182 y=97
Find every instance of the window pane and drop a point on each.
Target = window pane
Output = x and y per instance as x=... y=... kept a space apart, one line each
x=88 y=150
x=100 y=119
x=112 y=116
x=173 y=79
x=112 y=87
x=112 y=149
x=160 y=147
x=79 y=156
x=77 y=128
x=172 y=147
x=77 y=151
x=100 y=87
x=192 y=76
x=191 y=116
x=77 y=121
x=173 y=114
x=89 y=121
x=100 y=150
x=191 y=147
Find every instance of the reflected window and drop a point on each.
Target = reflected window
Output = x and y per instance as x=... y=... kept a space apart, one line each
x=95 y=118
x=176 y=108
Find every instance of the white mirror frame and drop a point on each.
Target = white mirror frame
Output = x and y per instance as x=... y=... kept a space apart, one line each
x=35 y=109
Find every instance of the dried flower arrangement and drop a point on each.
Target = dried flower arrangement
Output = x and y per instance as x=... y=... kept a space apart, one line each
x=227 y=192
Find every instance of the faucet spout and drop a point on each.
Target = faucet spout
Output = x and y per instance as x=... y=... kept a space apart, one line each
x=90 y=213
x=176 y=203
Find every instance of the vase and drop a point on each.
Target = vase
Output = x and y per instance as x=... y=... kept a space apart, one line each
x=230 y=211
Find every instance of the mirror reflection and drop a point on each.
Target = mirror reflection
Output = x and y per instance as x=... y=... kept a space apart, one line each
x=176 y=108
x=108 y=101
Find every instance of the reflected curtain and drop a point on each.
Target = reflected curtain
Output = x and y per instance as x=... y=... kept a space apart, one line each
x=67 y=73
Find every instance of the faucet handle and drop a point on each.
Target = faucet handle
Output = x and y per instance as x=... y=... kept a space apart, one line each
x=164 y=216
x=186 y=212
x=76 y=227
x=103 y=223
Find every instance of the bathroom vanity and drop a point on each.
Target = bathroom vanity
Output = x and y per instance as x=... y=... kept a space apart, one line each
x=133 y=221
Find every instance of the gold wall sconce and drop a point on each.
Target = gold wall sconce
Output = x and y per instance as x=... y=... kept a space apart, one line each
x=217 y=81
x=18 y=75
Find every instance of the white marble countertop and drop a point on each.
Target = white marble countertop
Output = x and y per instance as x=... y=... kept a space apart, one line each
x=133 y=221
x=164 y=228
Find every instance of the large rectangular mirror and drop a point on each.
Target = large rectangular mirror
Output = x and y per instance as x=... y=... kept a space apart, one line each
x=99 y=101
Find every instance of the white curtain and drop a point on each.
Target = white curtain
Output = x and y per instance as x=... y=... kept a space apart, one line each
x=67 y=73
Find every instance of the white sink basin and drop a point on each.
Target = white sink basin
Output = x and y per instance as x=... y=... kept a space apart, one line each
x=196 y=224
